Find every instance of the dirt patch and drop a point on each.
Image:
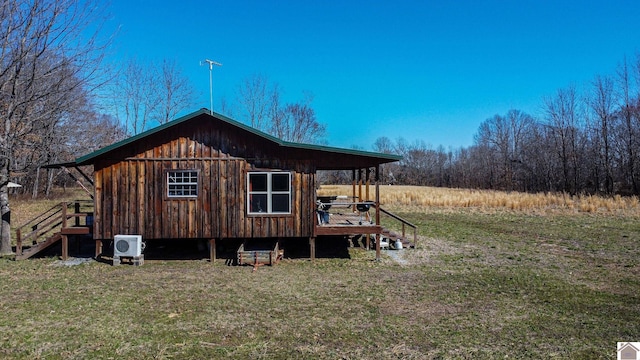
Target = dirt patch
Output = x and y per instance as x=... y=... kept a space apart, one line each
x=397 y=256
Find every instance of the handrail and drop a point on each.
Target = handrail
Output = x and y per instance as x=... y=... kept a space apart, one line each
x=397 y=217
x=347 y=204
x=52 y=219
x=404 y=222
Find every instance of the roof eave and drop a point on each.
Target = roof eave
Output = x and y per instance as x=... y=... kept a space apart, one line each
x=378 y=158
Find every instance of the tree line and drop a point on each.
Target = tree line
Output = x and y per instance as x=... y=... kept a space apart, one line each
x=584 y=141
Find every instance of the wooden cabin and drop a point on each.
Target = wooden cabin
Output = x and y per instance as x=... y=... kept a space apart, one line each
x=206 y=176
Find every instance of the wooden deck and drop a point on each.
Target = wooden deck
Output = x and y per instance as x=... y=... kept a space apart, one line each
x=343 y=221
x=342 y=218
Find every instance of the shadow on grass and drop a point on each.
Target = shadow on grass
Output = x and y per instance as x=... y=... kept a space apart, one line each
x=198 y=249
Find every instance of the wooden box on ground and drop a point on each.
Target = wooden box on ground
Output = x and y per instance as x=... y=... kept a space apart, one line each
x=250 y=255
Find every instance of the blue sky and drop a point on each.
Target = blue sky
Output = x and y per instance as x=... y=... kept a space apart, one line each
x=427 y=71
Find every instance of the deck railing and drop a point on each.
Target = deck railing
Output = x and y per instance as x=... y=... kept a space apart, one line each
x=60 y=216
x=348 y=213
x=404 y=223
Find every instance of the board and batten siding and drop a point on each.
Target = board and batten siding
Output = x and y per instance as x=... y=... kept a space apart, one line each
x=131 y=191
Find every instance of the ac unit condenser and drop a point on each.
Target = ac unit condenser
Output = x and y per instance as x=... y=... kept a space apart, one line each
x=127 y=245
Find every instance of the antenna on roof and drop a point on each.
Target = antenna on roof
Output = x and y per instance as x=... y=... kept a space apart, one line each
x=211 y=63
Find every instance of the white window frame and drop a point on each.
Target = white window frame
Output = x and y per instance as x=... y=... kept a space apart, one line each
x=188 y=184
x=269 y=193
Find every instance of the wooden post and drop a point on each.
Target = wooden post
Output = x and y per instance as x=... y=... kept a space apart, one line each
x=359 y=185
x=64 y=214
x=377 y=182
x=65 y=247
x=76 y=209
x=212 y=250
x=353 y=184
x=312 y=248
x=367 y=181
x=98 y=248
x=18 y=242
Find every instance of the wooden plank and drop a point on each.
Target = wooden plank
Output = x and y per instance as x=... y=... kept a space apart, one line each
x=156 y=185
x=98 y=202
x=348 y=230
x=165 y=225
x=121 y=199
x=192 y=221
x=131 y=202
x=216 y=208
x=222 y=192
x=81 y=230
x=111 y=208
x=174 y=216
x=298 y=190
x=149 y=198
x=204 y=200
x=236 y=219
x=143 y=196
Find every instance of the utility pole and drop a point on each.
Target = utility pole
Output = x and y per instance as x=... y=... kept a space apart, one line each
x=211 y=63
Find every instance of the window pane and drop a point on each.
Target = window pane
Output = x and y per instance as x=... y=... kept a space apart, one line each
x=182 y=183
x=257 y=182
x=258 y=203
x=280 y=182
x=280 y=203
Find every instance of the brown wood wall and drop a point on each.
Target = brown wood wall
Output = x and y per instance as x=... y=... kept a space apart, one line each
x=130 y=193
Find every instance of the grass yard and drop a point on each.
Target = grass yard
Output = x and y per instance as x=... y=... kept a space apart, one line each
x=482 y=285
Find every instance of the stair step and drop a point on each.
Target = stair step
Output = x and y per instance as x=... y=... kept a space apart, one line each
x=27 y=253
x=393 y=236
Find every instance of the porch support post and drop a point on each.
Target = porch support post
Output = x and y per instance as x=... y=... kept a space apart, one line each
x=212 y=250
x=65 y=247
x=377 y=182
x=353 y=185
x=367 y=173
x=359 y=185
x=312 y=248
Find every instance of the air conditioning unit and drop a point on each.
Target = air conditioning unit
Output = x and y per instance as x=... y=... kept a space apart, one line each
x=127 y=245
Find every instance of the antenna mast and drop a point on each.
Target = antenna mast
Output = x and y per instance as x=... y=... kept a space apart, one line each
x=211 y=63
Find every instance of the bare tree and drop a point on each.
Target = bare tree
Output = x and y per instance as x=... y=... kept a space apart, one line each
x=145 y=94
x=135 y=97
x=602 y=104
x=383 y=145
x=298 y=123
x=504 y=137
x=562 y=122
x=176 y=92
x=258 y=101
x=261 y=106
x=46 y=59
x=628 y=127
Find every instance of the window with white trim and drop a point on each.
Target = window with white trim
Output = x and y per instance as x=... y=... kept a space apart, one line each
x=182 y=183
x=269 y=193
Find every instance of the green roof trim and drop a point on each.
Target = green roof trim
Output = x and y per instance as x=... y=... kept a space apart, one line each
x=86 y=159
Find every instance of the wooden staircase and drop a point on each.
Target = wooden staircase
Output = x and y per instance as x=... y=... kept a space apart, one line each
x=388 y=235
x=393 y=236
x=56 y=224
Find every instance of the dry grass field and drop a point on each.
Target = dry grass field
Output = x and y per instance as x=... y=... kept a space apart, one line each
x=422 y=198
x=493 y=279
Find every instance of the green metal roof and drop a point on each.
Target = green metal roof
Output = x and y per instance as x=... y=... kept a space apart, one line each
x=382 y=158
